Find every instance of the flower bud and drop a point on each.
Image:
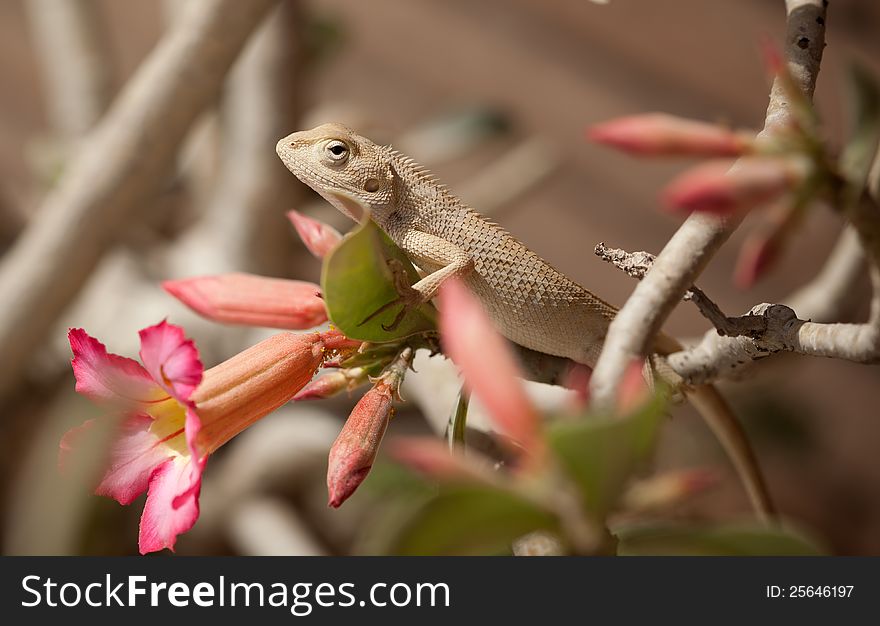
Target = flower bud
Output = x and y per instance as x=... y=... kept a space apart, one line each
x=255 y=382
x=659 y=134
x=354 y=450
x=715 y=188
x=488 y=366
x=252 y=300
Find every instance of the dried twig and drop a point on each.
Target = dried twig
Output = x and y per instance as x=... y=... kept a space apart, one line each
x=766 y=329
x=699 y=238
x=637 y=264
x=120 y=164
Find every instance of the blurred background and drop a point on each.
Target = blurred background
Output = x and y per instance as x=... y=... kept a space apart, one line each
x=494 y=96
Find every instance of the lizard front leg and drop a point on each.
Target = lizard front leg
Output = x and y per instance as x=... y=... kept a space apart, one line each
x=427 y=250
x=431 y=251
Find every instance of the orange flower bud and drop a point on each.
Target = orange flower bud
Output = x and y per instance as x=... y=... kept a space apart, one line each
x=255 y=382
x=354 y=450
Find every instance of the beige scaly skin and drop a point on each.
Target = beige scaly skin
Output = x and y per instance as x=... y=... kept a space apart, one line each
x=531 y=302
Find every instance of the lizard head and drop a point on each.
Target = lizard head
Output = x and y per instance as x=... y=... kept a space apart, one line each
x=349 y=171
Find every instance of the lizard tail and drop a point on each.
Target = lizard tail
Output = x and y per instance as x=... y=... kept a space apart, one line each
x=715 y=411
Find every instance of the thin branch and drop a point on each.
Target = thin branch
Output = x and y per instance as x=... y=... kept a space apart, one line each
x=717 y=356
x=832 y=293
x=637 y=264
x=699 y=238
x=737 y=342
x=121 y=163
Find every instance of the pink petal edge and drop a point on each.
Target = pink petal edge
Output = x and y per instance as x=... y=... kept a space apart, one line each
x=171 y=359
x=166 y=514
x=105 y=377
x=135 y=454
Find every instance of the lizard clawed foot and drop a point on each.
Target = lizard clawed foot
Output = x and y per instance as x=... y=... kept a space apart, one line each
x=407 y=304
x=409 y=298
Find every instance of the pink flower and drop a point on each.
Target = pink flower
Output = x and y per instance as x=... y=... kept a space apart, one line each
x=252 y=300
x=320 y=238
x=488 y=366
x=716 y=188
x=172 y=414
x=155 y=446
x=654 y=134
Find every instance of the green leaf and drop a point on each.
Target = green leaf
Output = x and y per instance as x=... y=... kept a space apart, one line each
x=728 y=540
x=857 y=157
x=456 y=428
x=602 y=453
x=468 y=520
x=357 y=281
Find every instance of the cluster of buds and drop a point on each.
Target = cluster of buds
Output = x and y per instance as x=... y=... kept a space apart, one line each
x=774 y=170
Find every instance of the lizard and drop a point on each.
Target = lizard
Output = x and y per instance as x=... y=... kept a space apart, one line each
x=529 y=301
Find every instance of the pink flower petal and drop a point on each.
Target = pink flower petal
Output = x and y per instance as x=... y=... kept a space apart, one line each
x=192 y=429
x=105 y=377
x=172 y=505
x=320 y=238
x=171 y=359
x=252 y=300
x=135 y=454
x=488 y=367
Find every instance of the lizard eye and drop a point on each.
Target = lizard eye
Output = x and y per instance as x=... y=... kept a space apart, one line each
x=336 y=151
